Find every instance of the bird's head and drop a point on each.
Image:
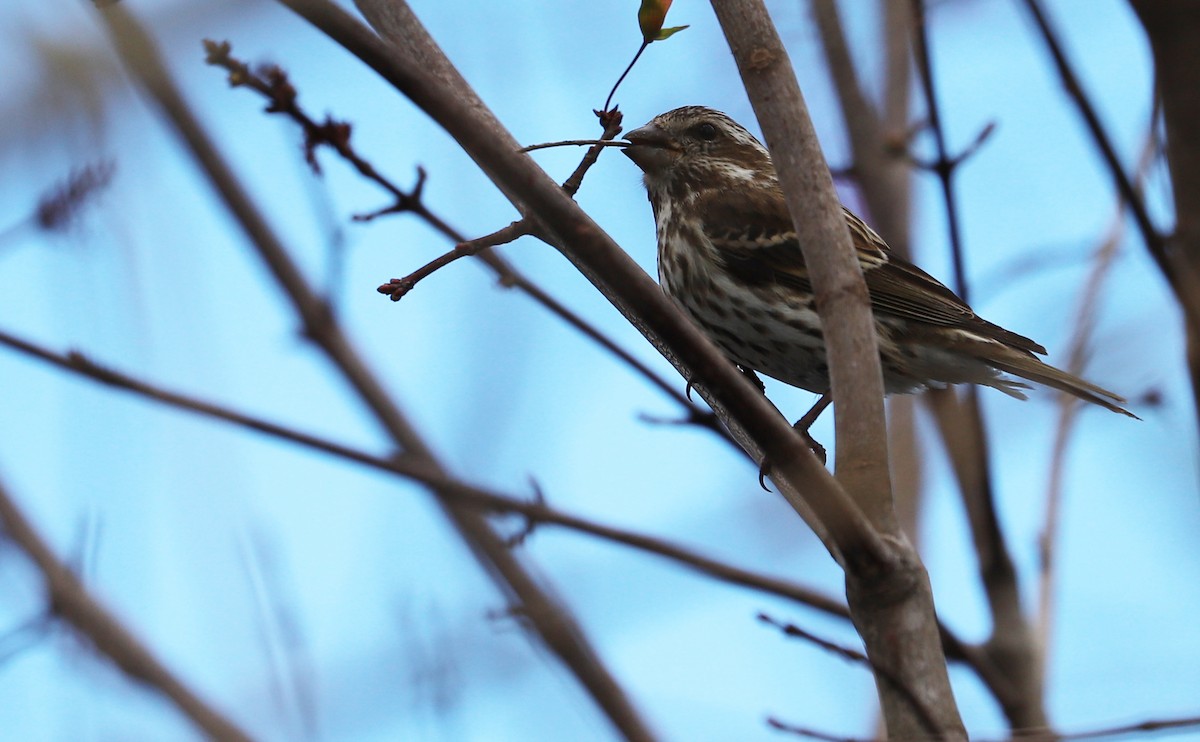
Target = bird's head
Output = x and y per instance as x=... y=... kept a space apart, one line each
x=696 y=145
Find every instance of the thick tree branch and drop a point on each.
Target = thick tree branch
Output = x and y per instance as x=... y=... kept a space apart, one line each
x=273 y=83
x=849 y=330
x=412 y=62
x=1173 y=27
x=892 y=607
x=551 y=621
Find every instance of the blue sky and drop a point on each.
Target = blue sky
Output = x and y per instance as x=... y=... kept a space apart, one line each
x=266 y=575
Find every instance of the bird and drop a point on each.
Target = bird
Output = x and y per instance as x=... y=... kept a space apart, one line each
x=730 y=258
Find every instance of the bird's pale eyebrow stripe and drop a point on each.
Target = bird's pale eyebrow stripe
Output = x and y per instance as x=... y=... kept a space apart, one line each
x=736 y=172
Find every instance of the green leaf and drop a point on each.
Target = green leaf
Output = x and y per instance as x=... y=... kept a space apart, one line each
x=651 y=16
x=667 y=33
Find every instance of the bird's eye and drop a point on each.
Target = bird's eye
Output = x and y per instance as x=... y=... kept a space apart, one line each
x=706 y=131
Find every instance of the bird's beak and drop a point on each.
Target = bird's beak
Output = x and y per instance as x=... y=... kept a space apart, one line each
x=653 y=149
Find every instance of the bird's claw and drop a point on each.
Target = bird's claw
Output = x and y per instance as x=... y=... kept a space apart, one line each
x=764 y=469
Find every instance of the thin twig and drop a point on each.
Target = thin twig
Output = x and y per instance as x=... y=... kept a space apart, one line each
x=1141 y=727
x=552 y=623
x=574 y=143
x=398 y=287
x=411 y=201
x=853 y=655
x=1085 y=325
x=1182 y=282
x=792 y=630
x=810 y=733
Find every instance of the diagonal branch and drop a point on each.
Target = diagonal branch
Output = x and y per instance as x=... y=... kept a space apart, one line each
x=72 y=602
x=552 y=622
x=412 y=61
x=1179 y=273
x=1068 y=412
x=449 y=489
x=397 y=288
x=273 y=84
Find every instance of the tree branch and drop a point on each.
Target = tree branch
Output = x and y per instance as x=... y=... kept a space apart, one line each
x=412 y=62
x=1012 y=646
x=551 y=621
x=895 y=594
x=71 y=601
x=274 y=84
x=1173 y=28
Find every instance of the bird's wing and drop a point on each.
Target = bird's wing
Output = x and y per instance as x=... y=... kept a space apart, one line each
x=755 y=239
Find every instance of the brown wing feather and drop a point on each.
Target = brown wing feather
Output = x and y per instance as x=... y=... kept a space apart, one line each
x=764 y=249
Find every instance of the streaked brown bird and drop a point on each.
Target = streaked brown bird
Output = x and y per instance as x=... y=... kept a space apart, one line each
x=729 y=256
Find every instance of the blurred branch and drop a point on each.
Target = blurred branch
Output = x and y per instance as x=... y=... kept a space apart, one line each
x=551 y=621
x=879 y=172
x=1144 y=727
x=273 y=83
x=1179 y=274
x=851 y=655
x=71 y=601
x=1068 y=412
x=1011 y=646
x=897 y=75
x=445 y=487
x=1173 y=28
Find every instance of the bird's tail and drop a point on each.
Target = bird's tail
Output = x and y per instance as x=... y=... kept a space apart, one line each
x=1029 y=367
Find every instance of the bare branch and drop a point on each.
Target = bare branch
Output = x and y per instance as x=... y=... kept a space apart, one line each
x=398 y=287
x=1011 y=646
x=915 y=660
x=553 y=623
x=72 y=602
x=1180 y=274
x=284 y=99
x=1085 y=325
x=412 y=62
x=452 y=490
